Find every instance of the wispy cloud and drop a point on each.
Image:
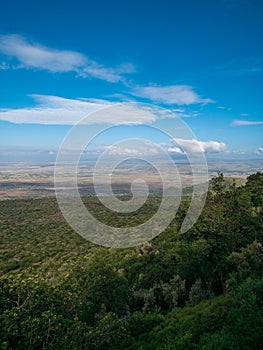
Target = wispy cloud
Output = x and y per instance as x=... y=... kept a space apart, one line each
x=175 y=150
x=35 y=56
x=51 y=110
x=260 y=150
x=112 y=75
x=21 y=53
x=245 y=67
x=140 y=149
x=224 y=108
x=184 y=147
x=249 y=70
x=25 y=54
x=246 y=122
x=171 y=94
x=196 y=146
x=56 y=110
x=4 y=66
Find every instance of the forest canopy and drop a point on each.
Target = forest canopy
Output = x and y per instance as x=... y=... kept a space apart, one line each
x=198 y=290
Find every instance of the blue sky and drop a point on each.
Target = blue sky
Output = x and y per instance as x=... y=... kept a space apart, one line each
x=201 y=59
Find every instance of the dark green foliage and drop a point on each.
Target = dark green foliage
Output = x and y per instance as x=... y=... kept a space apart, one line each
x=200 y=290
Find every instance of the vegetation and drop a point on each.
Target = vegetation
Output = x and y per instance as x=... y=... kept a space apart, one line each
x=199 y=290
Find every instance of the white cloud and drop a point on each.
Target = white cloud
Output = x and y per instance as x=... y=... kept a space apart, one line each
x=196 y=146
x=224 y=108
x=174 y=150
x=4 y=66
x=135 y=148
x=179 y=110
x=260 y=150
x=51 y=110
x=35 y=56
x=100 y=72
x=112 y=75
x=184 y=147
x=30 y=55
x=62 y=111
x=246 y=122
x=171 y=94
x=131 y=151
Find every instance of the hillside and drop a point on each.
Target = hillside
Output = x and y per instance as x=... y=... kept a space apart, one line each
x=199 y=290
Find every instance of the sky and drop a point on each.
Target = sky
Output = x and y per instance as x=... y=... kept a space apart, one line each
x=61 y=60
